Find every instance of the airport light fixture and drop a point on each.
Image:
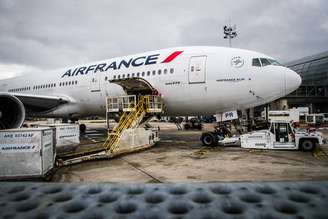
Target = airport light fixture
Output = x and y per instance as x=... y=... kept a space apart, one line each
x=230 y=32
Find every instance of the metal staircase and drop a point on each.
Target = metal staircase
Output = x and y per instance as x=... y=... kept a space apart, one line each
x=127 y=120
x=136 y=110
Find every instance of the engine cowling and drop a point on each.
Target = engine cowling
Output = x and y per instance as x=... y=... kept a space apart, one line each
x=12 y=112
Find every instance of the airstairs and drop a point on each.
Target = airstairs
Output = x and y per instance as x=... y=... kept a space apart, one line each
x=135 y=111
x=129 y=134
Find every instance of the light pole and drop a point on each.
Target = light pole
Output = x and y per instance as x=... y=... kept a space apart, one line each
x=229 y=32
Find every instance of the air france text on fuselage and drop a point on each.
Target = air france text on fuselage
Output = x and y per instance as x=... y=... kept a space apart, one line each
x=115 y=65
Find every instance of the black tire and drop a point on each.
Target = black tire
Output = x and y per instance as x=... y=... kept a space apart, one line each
x=187 y=126
x=83 y=128
x=307 y=145
x=209 y=139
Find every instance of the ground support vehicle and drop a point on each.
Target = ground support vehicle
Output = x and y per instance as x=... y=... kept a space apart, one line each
x=281 y=135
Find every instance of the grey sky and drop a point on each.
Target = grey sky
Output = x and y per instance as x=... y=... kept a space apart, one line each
x=56 y=33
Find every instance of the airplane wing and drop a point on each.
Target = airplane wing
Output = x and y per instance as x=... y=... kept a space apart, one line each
x=40 y=103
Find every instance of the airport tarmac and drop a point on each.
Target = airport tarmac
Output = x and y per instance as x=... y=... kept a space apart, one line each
x=180 y=157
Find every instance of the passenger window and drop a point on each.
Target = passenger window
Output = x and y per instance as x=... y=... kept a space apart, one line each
x=165 y=71
x=133 y=75
x=192 y=68
x=143 y=74
x=128 y=75
x=171 y=70
x=114 y=76
x=265 y=62
x=159 y=71
x=154 y=72
x=148 y=73
x=106 y=78
x=119 y=76
x=256 y=62
x=123 y=76
x=138 y=74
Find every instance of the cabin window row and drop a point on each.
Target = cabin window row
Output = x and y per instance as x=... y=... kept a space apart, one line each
x=67 y=83
x=19 y=89
x=43 y=86
x=145 y=73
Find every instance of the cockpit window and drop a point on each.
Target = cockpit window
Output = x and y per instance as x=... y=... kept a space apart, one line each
x=274 y=62
x=261 y=62
x=265 y=62
x=256 y=62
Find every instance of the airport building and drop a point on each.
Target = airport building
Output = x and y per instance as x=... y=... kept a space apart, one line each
x=313 y=92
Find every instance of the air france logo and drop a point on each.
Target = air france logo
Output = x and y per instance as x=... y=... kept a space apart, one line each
x=237 y=62
x=116 y=65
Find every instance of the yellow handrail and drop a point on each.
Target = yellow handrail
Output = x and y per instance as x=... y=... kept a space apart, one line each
x=126 y=121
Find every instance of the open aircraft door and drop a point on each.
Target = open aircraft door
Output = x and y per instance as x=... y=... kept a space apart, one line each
x=135 y=86
x=197 y=69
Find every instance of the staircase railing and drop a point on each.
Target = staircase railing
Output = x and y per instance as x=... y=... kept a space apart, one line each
x=127 y=120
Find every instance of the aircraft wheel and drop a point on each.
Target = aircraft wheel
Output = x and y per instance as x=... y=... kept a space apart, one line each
x=83 y=128
x=209 y=139
x=307 y=145
x=187 y=126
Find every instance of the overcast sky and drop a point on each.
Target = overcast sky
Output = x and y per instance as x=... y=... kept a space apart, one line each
x=50 y=34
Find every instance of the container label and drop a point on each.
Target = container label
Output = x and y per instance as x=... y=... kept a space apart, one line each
x=18 y=148
x=19 y=138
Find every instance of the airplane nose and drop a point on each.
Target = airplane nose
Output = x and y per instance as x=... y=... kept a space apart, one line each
x=292 y=81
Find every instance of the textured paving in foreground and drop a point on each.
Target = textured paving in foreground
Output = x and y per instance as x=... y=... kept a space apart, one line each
x=209 y=200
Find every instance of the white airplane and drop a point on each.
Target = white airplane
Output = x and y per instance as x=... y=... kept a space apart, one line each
x=191 y=80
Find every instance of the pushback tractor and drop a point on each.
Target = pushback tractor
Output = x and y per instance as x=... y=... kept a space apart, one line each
x=281 y=135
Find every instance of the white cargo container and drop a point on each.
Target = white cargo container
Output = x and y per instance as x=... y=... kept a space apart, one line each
x=65 y=134
x=26 y=152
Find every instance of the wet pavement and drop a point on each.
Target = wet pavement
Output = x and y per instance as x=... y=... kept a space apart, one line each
x=180 y=157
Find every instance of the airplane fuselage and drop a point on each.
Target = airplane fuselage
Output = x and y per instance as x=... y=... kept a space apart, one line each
x=191 y=80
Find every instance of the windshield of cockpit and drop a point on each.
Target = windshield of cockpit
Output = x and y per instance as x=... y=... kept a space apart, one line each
x=261 y=62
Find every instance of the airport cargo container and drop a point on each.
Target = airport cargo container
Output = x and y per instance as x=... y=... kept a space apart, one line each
x=26 y=152
x=65 y=134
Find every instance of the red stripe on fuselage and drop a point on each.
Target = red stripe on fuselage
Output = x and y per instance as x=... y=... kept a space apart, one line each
x=172 y=56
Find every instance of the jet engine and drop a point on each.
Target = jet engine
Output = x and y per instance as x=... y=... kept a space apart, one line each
x=12 y=112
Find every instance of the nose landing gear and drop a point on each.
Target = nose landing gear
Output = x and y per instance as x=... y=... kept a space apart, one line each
x=212 y=138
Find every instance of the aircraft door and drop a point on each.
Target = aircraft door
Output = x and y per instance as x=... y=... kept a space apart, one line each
x=95 y=83
x=197 y=69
